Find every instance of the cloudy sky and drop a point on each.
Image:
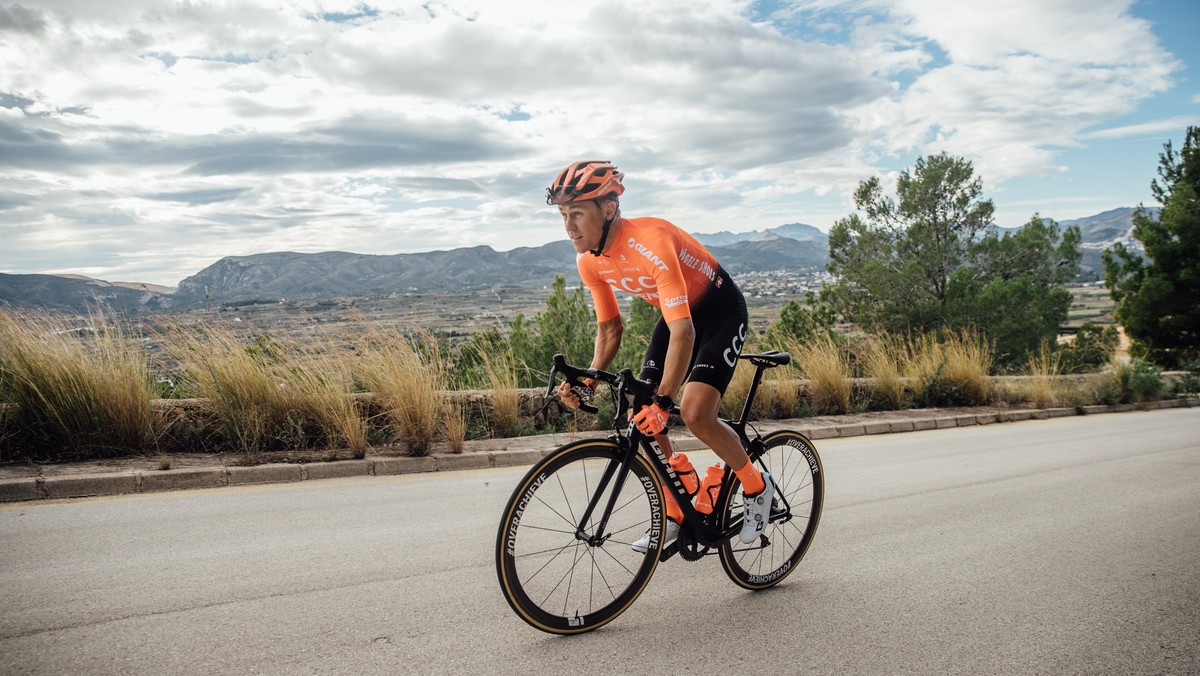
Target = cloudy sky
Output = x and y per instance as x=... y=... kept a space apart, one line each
x=144 y=140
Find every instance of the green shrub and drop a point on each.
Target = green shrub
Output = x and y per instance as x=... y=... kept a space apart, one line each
x=1133 y=382
x=1092 y=348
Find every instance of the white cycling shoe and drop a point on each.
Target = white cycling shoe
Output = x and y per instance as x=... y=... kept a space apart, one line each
x=758 y=511
x=642 y=545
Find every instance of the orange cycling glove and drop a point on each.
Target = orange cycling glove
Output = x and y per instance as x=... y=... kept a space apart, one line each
x=651 y=420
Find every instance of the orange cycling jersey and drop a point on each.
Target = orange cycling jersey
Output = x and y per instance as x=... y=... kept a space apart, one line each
x=654 y=260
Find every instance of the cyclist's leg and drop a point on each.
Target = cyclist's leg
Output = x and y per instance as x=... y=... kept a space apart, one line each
x=700 y=408
x=720 y=323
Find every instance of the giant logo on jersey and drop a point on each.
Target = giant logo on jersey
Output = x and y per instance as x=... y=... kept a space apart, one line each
x=645 y=251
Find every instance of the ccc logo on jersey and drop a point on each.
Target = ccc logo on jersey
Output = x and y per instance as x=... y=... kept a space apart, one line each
x=641 y=285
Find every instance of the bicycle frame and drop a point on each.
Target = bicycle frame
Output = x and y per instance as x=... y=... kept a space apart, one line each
x=633 y=394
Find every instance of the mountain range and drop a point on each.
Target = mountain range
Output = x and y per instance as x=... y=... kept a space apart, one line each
x=796 y=247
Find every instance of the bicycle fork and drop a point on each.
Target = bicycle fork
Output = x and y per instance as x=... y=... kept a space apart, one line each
x=619 y=469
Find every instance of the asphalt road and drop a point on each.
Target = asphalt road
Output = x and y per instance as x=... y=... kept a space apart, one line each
x=1068 y=546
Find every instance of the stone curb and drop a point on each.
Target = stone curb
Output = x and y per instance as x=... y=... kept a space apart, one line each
x=494 y=453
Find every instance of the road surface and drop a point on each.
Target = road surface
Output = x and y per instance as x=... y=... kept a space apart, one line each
x=1069 y=545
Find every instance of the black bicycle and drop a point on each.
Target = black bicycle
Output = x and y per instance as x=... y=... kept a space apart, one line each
x=563 y=552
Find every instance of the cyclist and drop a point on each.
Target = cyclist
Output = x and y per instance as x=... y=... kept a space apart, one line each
x=699 y=336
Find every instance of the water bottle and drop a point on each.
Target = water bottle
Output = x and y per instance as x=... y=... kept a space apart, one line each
x=686 y=473
x=710 y=489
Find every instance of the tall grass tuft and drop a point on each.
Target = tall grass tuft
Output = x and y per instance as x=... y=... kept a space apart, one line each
x=501 y=370
x=1043 y=370
x=949 y=371
x=455 y=426
x=319 y=381
x=826 y=364
x=74 y=393
x=880 y=359
x=268 y=396
x=968 y=362
x=409 y=381
x=779 y=394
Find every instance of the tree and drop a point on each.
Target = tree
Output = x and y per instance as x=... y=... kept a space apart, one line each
x=1014 y=291
x=930 y=259
x=567 y=327
x=1157 y=297
x=894 y=267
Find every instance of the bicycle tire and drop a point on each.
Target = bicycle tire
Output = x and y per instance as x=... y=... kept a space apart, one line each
x=561 y=584
x=795 y=467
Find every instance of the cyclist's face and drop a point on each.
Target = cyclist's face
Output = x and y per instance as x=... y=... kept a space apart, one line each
x=584 y=222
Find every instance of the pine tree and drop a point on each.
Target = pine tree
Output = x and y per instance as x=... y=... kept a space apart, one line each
x=1158 y=298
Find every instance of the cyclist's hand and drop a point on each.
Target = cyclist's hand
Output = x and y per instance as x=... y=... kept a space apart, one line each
x=651 y=420
x=570 y=395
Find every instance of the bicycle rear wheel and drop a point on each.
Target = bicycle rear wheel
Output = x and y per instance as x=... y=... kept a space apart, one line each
x=567 y=584
x=795 y=512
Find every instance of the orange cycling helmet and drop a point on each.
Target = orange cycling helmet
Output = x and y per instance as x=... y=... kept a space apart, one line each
x=583 y=181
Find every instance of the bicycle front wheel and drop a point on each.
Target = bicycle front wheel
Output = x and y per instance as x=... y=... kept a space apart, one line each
x=558 y=573
x=799 y=479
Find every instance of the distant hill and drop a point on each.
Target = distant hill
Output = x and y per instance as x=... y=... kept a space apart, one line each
x=77 y=293
x=137 y=286
x=1101 y=232
x=769 y=251
x=800 y=232
x=296 y=276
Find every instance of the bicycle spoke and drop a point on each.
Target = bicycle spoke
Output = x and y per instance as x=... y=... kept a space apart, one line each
x=566 y=498
x=550 y=561
x=570 y=570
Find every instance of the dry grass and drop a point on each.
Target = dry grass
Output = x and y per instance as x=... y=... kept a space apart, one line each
x=826 y=364
x=320 y=383
x=1043 y=369
x=778 y=395
x=968 y=363
x=408 y=380
x=270 y=396
x=454 y=426
x=948 y=371
x=880 y=358
x=501 y=370
x=85 y=391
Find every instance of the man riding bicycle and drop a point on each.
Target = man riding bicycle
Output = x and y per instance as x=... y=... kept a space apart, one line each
x=699 y=336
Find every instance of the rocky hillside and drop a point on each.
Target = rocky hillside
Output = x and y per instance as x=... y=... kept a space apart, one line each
x=1101 y=232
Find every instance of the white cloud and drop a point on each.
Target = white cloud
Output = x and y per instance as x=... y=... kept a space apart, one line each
x=1156 y=128
x=205 y=129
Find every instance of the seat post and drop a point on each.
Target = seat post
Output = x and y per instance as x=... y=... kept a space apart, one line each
x=758 y=371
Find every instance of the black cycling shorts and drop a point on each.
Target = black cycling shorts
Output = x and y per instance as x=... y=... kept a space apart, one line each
x=720 y=321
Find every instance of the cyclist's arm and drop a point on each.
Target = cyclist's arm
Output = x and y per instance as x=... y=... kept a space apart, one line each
x=679 y=354
x=608 y=341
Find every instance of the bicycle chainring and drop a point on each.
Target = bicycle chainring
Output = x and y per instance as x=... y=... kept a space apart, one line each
x=689 y=549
